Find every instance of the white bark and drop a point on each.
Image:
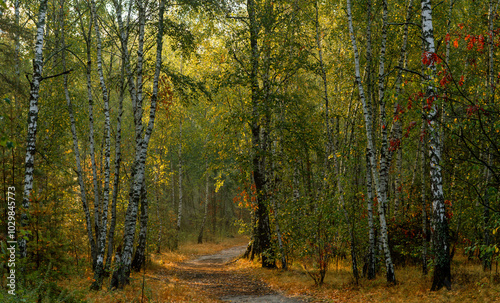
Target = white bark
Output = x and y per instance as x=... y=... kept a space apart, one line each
x=29 y=161
x=87 y=37
x=384 y=153
x=379 y=186
x=442 y=275
x=98 y=273
x=122 y=275
x=371 y=233
x=118 y=158
x=123 y=272
x=371 y=271
x=123 y=29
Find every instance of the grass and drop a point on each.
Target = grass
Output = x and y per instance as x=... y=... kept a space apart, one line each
x=470 y=284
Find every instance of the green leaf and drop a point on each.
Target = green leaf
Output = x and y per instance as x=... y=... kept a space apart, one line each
x=3 y=141
x=7 y=100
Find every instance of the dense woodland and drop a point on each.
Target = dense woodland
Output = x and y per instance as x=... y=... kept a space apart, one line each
x=361 y=130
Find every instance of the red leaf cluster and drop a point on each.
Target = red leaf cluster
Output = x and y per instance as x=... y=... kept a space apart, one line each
x=409 y=127
x=472 y=109
x=446 y=78
x=430 y=58
x=475 y=40
x=394 y=144
x=429 y=102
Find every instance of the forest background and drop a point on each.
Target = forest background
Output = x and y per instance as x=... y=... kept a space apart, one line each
x=362 y=130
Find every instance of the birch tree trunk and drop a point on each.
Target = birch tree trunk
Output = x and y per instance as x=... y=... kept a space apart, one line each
x=118 y=159
x=385 y=154
x=140 y=251
x=29 y=162
x=440 y=232
x=121 y=275
x=371 y=270
x=99 y=269
x=124 y=32
x=381 y=187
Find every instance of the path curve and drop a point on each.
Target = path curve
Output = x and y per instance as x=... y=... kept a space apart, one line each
x=212 y=274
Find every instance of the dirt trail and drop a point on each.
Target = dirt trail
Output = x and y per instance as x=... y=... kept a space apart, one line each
x=213 y=275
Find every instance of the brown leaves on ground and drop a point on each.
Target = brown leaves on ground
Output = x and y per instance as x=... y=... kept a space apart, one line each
x=470 y=284
x=185 y=276
x=219 y=281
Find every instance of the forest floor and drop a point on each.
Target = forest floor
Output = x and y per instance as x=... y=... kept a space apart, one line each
x=213 y=273
x=223 y=276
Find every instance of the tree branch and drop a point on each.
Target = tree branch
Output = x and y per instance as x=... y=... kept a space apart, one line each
x=60 y=74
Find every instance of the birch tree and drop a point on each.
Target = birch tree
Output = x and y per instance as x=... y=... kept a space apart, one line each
x=379 y=175
x=140 y=251
x=102 y=233
x=87 y=36
x=440 y=232
x=118 y=160
x=122 y=273
x=29 y=162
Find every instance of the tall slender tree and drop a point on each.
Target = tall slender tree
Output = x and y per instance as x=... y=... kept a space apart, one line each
x=440 y=231
x=35 y=82
x=121 y=275
x=379 y=175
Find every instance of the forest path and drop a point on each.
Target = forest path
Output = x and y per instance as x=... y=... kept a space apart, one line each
x=214 y=275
